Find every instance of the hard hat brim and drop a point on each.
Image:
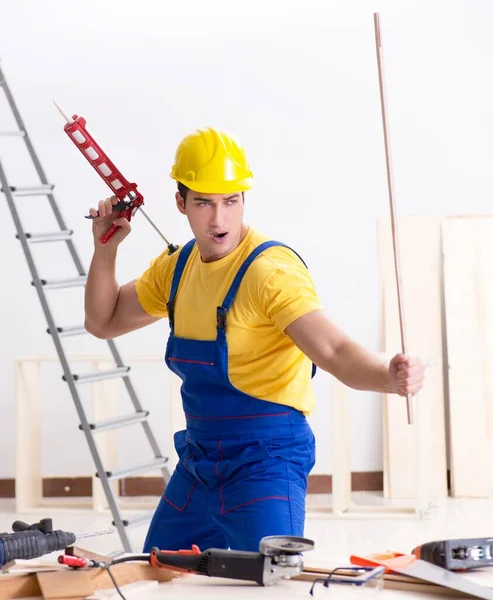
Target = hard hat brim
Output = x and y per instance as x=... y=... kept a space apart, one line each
x=219 y=187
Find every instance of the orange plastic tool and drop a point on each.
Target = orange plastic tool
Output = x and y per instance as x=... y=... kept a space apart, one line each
x=392 y=560
x=155 y=552
x=411 y=565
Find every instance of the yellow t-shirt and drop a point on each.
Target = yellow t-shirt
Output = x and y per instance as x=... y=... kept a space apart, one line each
x=276 y=290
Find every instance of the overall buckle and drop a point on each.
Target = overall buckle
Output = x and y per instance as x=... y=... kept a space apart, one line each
x=221 y=317
x=170 y=307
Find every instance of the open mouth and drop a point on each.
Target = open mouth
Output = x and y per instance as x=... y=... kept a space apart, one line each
x=219 y=236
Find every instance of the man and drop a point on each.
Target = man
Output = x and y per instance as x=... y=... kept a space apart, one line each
x=246 y=329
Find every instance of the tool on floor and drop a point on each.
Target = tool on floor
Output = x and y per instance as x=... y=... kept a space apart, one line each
x=409 y=564
x=279 y=557
x=130 y=199
x=31 y=541
x=24 y=196
x=459 y=554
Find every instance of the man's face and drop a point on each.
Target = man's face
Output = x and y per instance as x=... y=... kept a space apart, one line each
x=216 y=221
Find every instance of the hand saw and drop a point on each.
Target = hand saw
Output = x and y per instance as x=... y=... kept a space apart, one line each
x=410 y=565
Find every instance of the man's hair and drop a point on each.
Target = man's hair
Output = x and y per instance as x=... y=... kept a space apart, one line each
x=183 y=191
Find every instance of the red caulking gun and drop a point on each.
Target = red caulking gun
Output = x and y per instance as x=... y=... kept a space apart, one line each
x=130 y=199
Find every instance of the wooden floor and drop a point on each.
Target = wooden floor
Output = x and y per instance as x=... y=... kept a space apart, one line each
x=194 y=587
x=335 y=540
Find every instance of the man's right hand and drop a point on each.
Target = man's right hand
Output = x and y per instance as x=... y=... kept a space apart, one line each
x=107 y=217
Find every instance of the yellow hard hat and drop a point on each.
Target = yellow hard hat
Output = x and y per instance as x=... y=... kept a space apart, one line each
x=212 y=161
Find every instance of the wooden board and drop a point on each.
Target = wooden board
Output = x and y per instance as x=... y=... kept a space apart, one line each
x=19 y=586
x=75 y=582
x=468 y=283
x=104 y=406
x=28 y=566
x=341 y=452
x=28 y=480
x=64 y=584
x=420 y=258
x=127 y=573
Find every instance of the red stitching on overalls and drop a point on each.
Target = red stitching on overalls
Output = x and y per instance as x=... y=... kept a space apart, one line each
x=224 y=512
x=187 y=501
x=235 y=417
x=193 y=362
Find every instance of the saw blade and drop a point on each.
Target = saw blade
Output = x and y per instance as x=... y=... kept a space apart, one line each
x=285 y=544
x=419 y=569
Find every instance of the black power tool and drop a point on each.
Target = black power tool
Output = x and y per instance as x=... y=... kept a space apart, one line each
x=458 y=555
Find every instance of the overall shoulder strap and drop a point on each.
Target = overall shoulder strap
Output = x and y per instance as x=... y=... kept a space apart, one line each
x=179 y=268
x=231 y=294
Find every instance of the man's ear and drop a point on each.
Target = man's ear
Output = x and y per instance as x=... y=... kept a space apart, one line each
x=180 y=203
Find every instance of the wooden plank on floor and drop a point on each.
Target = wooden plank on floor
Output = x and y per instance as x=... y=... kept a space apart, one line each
x=420 y=258
x=468 y=282
x=19 y=586
x=65 y=584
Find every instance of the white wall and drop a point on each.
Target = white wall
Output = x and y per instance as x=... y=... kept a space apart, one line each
x=297 y=81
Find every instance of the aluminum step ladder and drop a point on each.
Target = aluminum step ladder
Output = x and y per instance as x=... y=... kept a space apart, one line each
x=64 y=234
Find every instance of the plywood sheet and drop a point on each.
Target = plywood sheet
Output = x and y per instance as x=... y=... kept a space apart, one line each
x=468 y=283
x=420 y=259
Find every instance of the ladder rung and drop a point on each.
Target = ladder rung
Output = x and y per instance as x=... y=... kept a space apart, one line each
x=32 y=190
x=100 y=375
x=153 y=465
x=117 y=422
x=56 y=236
x=137 y=520
x=42 y=191
x=51 y=284
x=69 y=331
x=12 y=133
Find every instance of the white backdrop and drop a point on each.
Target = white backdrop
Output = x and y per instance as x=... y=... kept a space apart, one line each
x=297 y=82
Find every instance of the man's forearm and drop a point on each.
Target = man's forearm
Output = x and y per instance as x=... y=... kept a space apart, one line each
x=360 y=369
x=102 y=289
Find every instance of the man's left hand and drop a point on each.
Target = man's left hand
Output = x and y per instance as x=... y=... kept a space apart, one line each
x=407 y=374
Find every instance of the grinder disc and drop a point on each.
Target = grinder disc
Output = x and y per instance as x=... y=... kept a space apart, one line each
x=284 y=544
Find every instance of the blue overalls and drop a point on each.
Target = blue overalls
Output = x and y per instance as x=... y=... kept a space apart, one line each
x=243 y=462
